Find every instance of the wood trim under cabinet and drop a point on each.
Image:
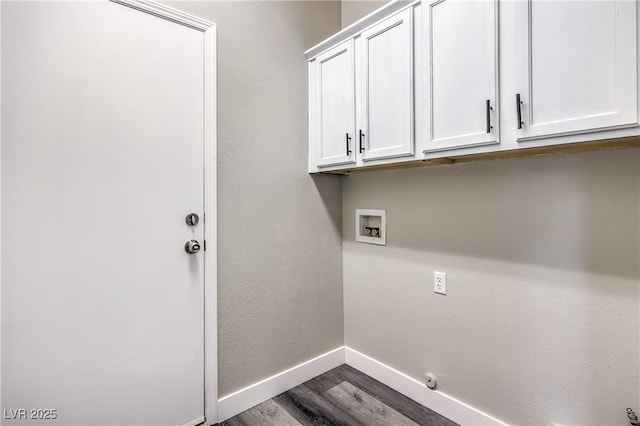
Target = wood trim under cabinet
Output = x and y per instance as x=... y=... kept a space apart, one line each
x=627 y=142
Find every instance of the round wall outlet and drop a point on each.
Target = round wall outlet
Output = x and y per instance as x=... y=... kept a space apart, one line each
x=430 y=381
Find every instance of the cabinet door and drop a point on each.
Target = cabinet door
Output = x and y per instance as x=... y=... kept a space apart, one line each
x=462 y=93
x=576 y=67
x=386 y=71
x=335 y=106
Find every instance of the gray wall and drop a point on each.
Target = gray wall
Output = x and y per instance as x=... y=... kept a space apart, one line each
x=280 y=254
x=541 y=320
x=353 y=10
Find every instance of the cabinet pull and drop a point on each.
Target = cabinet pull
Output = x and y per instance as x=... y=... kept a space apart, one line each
x=489 y=126
x=361 y=137
x=348 y=139
x=519 y=110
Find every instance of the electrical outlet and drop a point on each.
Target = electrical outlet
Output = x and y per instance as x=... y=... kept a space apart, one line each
x=439 y=282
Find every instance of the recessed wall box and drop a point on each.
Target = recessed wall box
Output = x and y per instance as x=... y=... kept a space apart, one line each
x=371 y=226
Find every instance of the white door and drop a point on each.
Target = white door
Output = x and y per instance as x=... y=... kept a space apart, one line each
x=102 y=160
x=577 y=68
x=335 y=106
x=386 y=72
x=462 y=89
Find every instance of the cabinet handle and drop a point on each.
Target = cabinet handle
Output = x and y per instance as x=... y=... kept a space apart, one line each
x=489 y=126
x=519 y=110
x=361 y=137
x=348 y=139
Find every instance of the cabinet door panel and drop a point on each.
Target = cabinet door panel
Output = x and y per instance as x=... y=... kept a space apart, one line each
x=462 y=50
x=577 y=66
x=335 y=106
x=387 y=95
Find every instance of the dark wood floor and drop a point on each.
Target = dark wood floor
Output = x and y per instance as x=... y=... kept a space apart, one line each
x=343 y=396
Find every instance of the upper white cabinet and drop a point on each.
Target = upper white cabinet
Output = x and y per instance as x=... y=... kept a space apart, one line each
x=385 y=72
x=462 y=50
x=577 y=67
x=334 y=106
x=361 y=90
x=474 y=78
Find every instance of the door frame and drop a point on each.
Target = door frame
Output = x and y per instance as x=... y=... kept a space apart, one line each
x=210 y=337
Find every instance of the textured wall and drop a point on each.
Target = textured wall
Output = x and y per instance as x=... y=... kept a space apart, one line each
x=353 y=10
x=541 y=320
x=280 y=255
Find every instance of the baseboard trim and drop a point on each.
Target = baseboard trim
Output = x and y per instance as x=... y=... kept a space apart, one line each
x=437 y=401
x=195 y=422
x=257 y=393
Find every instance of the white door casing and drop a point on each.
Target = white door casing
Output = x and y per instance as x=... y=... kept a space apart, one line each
x=386 y=95
x=462 y=83
x=108 y=141
x=558 y=41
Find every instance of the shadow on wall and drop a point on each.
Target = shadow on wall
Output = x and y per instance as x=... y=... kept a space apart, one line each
x=330 y=189
x=575 y=212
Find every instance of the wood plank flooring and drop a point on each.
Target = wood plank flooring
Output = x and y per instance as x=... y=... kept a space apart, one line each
x=342 y=397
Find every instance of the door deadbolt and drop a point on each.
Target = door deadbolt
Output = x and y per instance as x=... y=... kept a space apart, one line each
x=192 y=247
x=192 y=219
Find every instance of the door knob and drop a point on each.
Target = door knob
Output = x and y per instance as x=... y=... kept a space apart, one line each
x=192 y=247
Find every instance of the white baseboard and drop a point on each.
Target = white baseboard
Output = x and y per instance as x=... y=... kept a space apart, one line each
x=437 y=401
x=257 y=393
x=195 y=422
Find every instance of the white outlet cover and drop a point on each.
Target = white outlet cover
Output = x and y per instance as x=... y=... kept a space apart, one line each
x=439 y=282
